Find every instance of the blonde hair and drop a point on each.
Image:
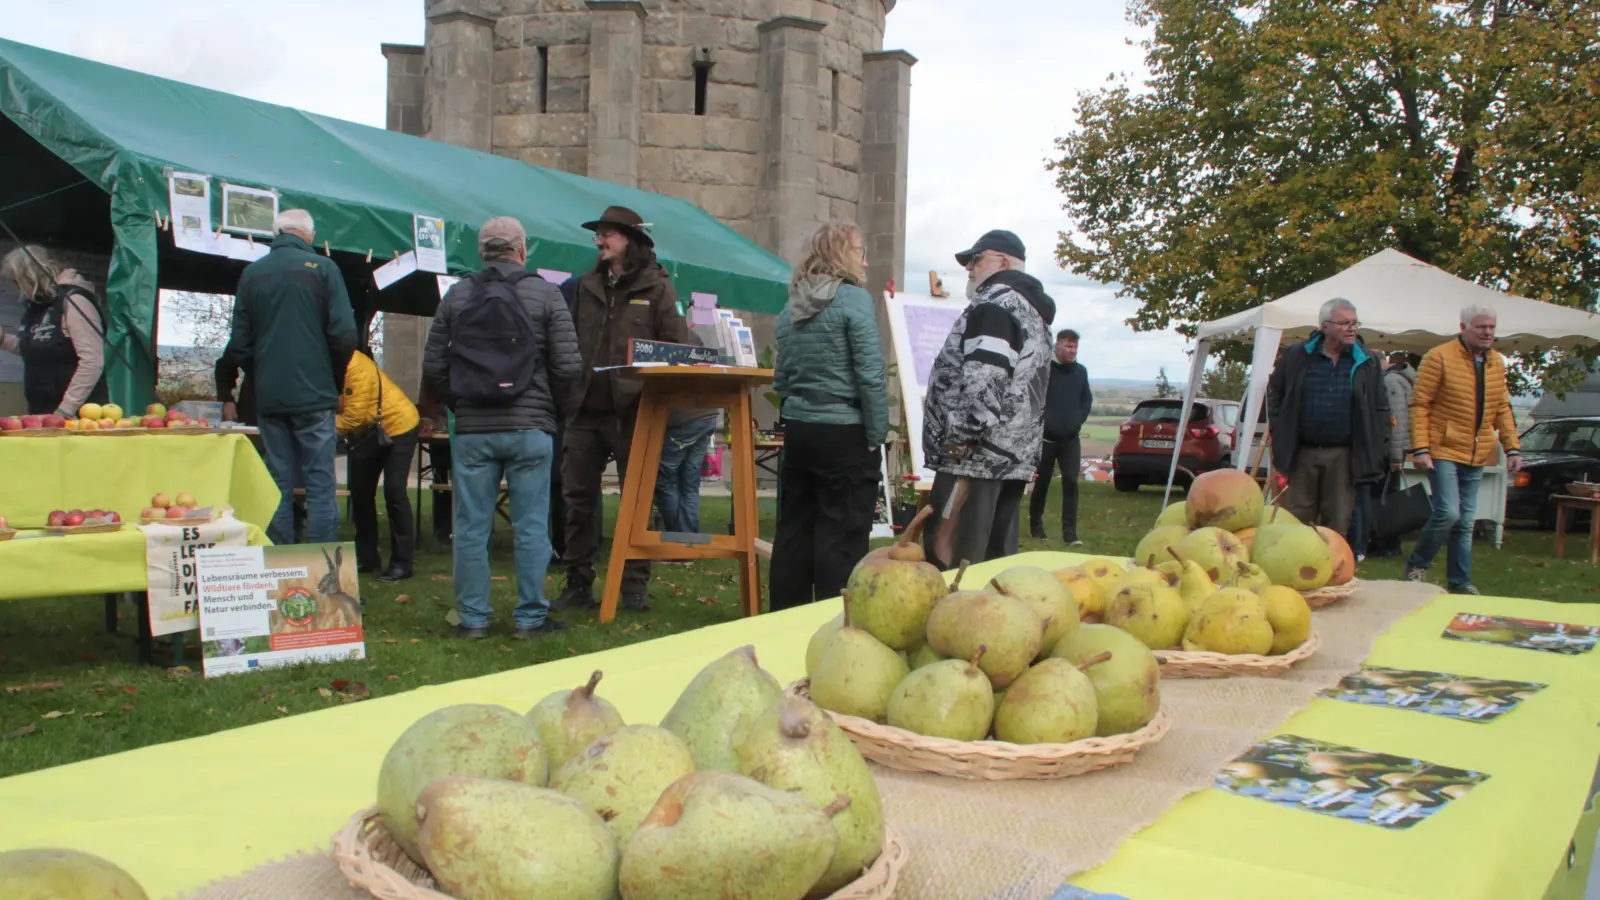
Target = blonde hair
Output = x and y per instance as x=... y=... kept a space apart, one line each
x=35 y=277
x=830 y=253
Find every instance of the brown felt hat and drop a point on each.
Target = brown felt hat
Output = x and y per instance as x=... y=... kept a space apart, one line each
x=625 y=220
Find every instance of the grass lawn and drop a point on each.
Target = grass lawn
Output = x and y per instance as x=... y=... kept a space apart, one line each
x=73 y=692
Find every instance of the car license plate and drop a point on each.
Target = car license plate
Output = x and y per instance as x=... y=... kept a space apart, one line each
x=1156 y=445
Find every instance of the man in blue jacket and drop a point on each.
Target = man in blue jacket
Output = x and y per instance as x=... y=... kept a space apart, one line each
x=1066 y=408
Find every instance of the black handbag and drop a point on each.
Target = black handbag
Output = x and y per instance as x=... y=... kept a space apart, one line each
x=1398 y=511
x=371 y=440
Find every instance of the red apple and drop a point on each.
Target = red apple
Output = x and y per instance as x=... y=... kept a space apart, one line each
x=186 y=499
x=154 y=422
x=3 y=524
x=111 y=516
x=32 y=421
x=176 y=512
x=94 y=514
x=161 y=500
x=74 y=518
x=10 y=423
x=54 y=421
x=57 y=517
x=174 y=414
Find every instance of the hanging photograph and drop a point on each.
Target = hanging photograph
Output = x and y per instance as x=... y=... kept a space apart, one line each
x=248 y=210
x=189 y=196
x=429 y=234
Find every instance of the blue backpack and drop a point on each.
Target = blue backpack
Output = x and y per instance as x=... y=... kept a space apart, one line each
x=493 y=356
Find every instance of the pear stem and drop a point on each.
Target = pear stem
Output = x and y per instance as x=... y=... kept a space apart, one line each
x=982 y=649
x=792 y=721
x=844 y=596
x=594 y=682
x=913 y=529
x=960 y=574
x=1095 y=660
x=1000 y=588
x=1175 y=554
x=840 y=804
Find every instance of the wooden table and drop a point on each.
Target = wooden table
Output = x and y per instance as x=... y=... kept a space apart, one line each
x=1565 y=502
x=697 y=387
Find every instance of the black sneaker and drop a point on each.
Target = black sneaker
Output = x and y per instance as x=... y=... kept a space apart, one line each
x=1036 y=531
x=1416 y=575
x=577 y=595
x=393 y=574
x=548 y=626
x=472 y=634
x=1468 y=589
x=637 y=602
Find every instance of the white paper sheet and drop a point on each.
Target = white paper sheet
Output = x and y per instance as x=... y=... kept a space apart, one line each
x=428 y=232
x=395 y=269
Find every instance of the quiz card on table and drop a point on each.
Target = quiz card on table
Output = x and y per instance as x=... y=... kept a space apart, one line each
x=1529 y=634
x=1436 y=693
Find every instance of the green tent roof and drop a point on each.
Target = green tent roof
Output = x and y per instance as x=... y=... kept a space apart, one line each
x=122 y=131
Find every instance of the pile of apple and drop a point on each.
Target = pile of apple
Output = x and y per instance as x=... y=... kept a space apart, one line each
x=75 y=517
x=163 y=507
x=95 y=416
x=28 y=423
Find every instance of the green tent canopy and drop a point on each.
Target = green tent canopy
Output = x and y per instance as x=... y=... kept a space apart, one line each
x=86 y=148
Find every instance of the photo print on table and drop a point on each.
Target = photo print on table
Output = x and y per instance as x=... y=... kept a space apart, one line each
x=1436 y=693
x=1345 y=782
x=1528 y=634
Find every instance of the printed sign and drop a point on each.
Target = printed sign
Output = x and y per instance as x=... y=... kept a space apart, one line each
x=1452 y=696
x=1528 y=634
x=920 y=324
x=171 y=571
x=661 y=353
x=429 y=238
x=263 y=607
x=189 y=198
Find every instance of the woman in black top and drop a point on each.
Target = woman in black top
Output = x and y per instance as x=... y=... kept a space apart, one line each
x=62 y=339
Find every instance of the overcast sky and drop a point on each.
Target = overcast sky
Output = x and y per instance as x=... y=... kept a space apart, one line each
x=996 y=83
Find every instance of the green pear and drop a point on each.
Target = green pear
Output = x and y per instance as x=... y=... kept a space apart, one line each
x=1277 y=515
x=1288 y=614
x=1156 y=547
x=1153 y=613
x=1175 y=514
x=1293 y=556
x=1051 y=703
x=797 y=748
x=1050 y=600
x=52 y=874
x=467 y=739
x=856 y=673
x=891 y=591
x=567 y=721
x=716 y=709
x=718 y=834
x=924 y=657
x=1245 y=575
x=1009 y=628
x=1233 y=620
x=1214 y=549
x=949 y=699
x=1193 y=583
x=484 y=839
x=621 y=774
x=1127 y=687
x=818 y=638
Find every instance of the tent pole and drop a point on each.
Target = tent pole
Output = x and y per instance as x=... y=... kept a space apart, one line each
x=1197 y=368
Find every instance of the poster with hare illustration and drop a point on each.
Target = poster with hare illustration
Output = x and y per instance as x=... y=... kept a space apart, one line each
x=262 y=607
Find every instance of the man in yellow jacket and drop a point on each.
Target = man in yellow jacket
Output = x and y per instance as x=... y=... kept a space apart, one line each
x=1459 y=403
x=378 y=424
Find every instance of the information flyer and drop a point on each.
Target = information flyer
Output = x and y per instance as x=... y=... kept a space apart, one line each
x=429 y=234
x=1528 y=634
x=172 y=573
x=190 y=198
x=1436 y=693
x=262 y=607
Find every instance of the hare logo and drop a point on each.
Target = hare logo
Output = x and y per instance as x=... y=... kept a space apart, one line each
x=297 y=607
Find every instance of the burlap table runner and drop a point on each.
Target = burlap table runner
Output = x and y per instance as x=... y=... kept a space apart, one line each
x=1021 y=840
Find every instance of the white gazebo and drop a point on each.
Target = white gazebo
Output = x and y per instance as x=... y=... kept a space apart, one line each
x=1403 y=304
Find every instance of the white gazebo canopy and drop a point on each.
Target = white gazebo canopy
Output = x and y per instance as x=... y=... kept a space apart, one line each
x=1403 y=304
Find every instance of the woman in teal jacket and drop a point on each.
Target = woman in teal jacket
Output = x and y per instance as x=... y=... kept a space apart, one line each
x=835 y=415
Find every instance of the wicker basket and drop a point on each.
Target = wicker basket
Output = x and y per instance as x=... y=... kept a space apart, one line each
x=186 y=520
x=1332 y=594
x=1204 y=664
x=908 y=751
x=103 y=528
x=373 y=862
x=7 y=534
x=38 y=432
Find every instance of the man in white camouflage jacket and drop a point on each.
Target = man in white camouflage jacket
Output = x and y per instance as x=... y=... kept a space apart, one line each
x=984 y=413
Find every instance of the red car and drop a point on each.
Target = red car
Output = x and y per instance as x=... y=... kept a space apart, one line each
x=1143 y=453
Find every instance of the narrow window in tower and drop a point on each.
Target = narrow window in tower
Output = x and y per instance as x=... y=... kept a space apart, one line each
x=702 y=79
x=544 y=78
x=833 y=98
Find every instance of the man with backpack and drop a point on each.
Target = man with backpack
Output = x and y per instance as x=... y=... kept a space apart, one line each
x=503 y=352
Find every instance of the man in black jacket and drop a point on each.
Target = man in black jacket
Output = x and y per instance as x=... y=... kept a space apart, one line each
x=1329 y=415
x=1066 y=408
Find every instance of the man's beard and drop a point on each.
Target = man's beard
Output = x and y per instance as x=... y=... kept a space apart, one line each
x=973 y=284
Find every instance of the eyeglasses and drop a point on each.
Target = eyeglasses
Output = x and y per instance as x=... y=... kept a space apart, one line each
x=973 y=262
x=1352 y=324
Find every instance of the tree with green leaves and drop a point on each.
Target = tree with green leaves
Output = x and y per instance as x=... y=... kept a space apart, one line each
x=1225 y=380
x=1164 y=388
x=1276 y=143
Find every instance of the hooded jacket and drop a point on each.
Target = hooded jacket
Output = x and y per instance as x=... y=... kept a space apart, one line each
x=830 y=359
x=1371 y=425
x=1399 y=381
x=984 y=412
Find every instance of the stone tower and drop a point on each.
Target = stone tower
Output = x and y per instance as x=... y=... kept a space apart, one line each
x=772 y=115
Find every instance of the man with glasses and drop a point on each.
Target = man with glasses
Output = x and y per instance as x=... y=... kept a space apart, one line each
x=1329 y=417
x=1458 y=406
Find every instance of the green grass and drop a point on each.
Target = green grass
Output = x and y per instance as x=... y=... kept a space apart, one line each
x=56 y=658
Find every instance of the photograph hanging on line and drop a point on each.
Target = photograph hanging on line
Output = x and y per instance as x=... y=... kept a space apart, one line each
x=1436 y=693
x=248 y=210
x=1528 y=634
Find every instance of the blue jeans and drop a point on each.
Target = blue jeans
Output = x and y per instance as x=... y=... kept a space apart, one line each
x=1455 y=511
x=678 y=478
x=299 y=450
x=479 y=461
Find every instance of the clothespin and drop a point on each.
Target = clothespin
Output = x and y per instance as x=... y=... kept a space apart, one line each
x=369 y=254
x=890 y=287
x=325 y=250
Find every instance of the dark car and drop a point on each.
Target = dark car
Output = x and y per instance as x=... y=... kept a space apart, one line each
x=1143 y=454
x=1554 y=452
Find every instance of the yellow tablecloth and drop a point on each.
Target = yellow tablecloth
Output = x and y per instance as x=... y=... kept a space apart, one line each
x=118 y=472
x=183 y=814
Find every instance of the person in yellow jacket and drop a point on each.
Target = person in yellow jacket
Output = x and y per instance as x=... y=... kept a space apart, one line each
x=378 y=426
x=1459 y=404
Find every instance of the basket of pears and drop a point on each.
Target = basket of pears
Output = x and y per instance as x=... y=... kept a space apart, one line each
x=998 y=682
x=739 y=786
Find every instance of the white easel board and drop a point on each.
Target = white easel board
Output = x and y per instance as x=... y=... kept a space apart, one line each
x=919 y=324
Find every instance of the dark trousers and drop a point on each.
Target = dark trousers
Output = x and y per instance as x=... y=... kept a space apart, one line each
x=974 y=519
x=558 y=506
x=829 y=493
x=1321 y=491
x=393 y=463
x=443 y=503
x=1067 y=455
x=590 y=440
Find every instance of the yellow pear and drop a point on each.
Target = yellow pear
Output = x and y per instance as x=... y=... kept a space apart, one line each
x=1141 y=575
x=1289 y=615
x=1194 y=585
x=1091 y=599
x=1151 y=612
x=1232 y=620
x=1106 y=572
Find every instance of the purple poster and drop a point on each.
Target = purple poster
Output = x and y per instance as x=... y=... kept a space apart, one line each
x=929 y=327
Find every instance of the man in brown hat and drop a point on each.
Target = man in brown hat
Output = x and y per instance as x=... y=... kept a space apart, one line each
x=626 y=296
